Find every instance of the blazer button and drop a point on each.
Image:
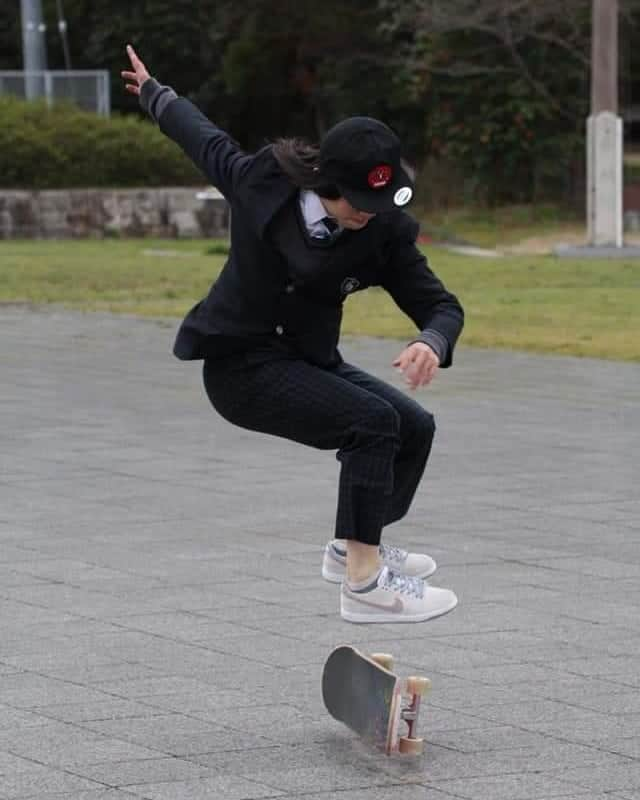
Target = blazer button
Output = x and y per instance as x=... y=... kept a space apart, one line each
x=289 y=288
x=279 y=330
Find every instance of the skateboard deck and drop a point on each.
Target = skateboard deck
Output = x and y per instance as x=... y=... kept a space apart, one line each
x=368 y=698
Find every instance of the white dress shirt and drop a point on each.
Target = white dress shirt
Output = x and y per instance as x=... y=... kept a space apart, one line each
x=313 y=212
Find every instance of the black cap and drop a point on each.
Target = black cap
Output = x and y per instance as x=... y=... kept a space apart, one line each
x=361 y=156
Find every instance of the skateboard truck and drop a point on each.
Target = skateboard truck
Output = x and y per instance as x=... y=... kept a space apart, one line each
x=416 y=687
x=410 y=715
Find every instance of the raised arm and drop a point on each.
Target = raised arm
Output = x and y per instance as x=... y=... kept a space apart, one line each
x=211 y=149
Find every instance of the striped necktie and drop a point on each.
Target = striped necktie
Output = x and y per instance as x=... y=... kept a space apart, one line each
x=332 y=227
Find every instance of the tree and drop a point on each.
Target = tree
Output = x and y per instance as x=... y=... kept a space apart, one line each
x=496 y=88
x=506 y=82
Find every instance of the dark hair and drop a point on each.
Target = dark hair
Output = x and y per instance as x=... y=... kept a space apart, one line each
x=300 y=161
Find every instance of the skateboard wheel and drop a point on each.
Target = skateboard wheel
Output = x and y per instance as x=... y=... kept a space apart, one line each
x=384 y=660
x=419 y=686
x=412 y=747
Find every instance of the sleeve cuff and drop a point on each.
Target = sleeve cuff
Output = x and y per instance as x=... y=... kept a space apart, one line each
x=154 y=98
x=436 y=341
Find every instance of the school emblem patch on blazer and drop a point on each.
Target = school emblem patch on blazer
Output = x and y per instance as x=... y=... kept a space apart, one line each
x=349 y=285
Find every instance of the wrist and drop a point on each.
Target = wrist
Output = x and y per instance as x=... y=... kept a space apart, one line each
x=436 y=341
x=154 y=98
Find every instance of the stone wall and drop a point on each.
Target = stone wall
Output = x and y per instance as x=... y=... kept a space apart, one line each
x=98 y=213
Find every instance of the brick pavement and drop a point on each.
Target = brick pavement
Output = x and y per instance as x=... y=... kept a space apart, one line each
x=137 y=528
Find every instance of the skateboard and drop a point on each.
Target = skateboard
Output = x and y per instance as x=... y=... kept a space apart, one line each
x=363 y=692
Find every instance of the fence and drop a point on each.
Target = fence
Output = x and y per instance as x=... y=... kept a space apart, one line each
x=89 y=89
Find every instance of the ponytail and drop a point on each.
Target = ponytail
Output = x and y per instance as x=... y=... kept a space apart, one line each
x=300 y=161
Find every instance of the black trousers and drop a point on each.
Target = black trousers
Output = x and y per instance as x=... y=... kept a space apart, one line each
x=382 y=437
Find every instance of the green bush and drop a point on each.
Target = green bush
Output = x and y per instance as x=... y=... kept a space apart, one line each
x=63 y=147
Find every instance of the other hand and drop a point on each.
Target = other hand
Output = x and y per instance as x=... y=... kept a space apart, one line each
x=418 y=363
x=138 y=76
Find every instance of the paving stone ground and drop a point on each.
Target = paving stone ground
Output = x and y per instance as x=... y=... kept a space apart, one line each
x=137 y=529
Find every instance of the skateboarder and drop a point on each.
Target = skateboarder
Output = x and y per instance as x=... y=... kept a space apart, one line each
x=311 y=225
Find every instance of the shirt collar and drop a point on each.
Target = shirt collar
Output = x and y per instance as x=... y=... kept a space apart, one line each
x=312 y=209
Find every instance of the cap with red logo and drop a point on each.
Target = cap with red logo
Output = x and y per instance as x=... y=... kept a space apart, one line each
x=361 y=156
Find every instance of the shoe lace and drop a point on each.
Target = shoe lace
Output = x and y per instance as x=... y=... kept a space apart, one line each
x=404 y=584
x=393 y=554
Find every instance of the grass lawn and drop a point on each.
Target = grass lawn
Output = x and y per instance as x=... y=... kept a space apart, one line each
x=505 y=225
x=536 y=303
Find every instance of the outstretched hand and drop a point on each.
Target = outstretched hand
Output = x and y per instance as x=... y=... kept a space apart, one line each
x=418 y=363
x=138 y=76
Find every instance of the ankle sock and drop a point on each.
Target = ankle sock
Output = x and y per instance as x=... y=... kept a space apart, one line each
x=367 y=585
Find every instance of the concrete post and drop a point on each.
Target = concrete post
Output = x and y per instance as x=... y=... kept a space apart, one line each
x=604 y=180
x=604 y=145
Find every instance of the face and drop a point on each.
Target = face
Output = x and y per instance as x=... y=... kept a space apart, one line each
x=345 y=214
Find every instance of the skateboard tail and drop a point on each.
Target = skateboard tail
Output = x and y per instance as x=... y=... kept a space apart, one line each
x=393 y=729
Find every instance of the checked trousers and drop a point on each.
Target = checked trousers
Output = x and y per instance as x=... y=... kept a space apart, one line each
x=382 y=436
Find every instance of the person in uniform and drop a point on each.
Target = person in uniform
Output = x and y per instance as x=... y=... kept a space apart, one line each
x=310 y=226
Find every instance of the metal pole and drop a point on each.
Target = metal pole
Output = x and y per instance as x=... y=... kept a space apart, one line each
x=48 y=88
x=62 y=29
x=34 y=51
x=107 y=95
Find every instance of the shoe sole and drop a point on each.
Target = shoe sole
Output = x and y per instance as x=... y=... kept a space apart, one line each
x=364 y=618
x=335 y=577
x=332 y=577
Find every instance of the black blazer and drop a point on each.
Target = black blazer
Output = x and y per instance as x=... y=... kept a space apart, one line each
x=253 y=296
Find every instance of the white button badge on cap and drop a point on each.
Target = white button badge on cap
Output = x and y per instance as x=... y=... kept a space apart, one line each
x=403 y=195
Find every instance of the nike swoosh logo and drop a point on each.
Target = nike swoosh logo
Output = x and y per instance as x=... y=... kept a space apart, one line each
x=396 y=608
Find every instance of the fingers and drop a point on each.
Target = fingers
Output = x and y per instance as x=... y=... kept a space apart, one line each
x=418 y=373
x=418 y=367
x=137 y=78
x=133 y=56
x=134 y=88
x=140 y=69
x=428 y=373
x=403 y=360
x=414 y=379
x=409 y=359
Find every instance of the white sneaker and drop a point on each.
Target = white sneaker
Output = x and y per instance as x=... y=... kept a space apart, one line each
x=394 y=597
x=415 y=565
